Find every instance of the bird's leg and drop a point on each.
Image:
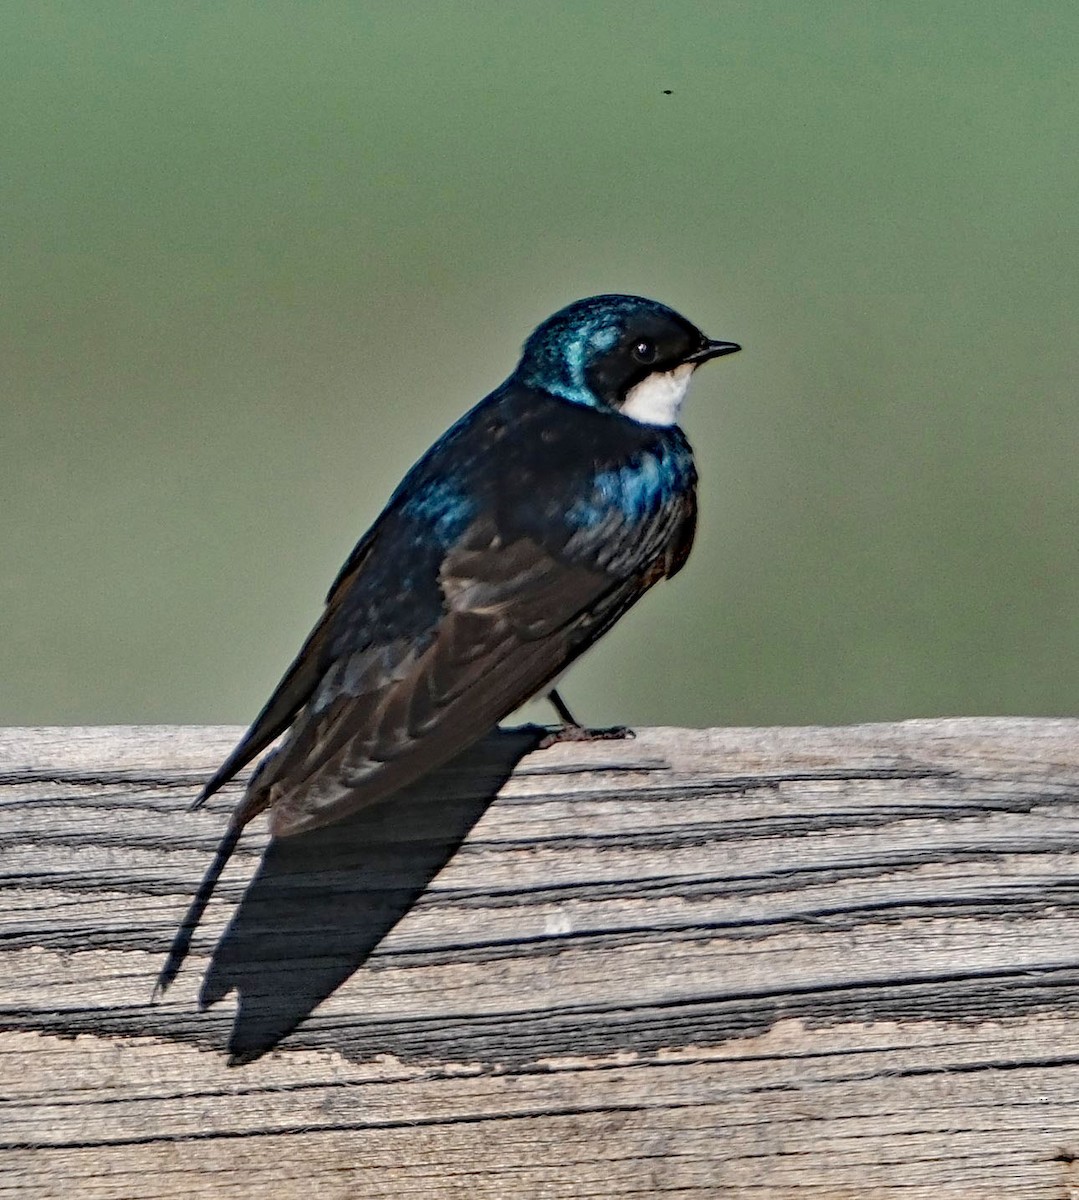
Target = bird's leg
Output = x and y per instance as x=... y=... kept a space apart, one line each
x=573 y=731
x=560 y=707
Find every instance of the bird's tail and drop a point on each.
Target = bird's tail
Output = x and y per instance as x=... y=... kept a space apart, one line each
x=181 y=943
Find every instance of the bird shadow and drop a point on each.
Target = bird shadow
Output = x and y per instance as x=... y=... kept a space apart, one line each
x=322 y=901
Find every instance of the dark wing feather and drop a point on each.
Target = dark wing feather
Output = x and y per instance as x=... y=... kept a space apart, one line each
x=515 y=615
x=295 y=689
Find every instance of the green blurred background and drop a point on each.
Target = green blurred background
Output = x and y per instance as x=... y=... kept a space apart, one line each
x=256 y=257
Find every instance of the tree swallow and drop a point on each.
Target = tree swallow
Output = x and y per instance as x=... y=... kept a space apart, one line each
x=515 y=542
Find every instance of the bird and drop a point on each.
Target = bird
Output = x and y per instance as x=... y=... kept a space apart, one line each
x=515 y=542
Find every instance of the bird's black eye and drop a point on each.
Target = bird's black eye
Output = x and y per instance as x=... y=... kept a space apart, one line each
x=645 y=351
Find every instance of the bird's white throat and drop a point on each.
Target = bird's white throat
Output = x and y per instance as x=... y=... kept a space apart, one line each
x=657 y=399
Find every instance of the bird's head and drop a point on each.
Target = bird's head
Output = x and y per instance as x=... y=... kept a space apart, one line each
x=623 y=353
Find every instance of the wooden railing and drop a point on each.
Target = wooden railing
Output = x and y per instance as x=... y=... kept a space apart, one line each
x=770 y=963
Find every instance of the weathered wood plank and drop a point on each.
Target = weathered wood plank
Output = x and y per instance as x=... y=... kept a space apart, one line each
x=782 y=962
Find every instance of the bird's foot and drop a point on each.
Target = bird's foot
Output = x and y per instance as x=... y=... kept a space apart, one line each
x=580 y=733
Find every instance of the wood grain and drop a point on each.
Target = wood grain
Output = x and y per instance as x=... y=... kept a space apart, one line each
x=815 y=963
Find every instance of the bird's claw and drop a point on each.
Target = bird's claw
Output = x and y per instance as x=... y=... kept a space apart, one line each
x=580 y=733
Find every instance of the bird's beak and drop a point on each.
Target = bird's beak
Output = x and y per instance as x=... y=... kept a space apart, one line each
x=712 y=349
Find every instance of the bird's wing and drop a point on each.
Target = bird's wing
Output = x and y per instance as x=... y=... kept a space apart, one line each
x=297 y=685
x=512 y=617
